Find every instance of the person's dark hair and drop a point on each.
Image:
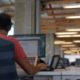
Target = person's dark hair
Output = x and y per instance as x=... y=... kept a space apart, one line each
x=5 y=21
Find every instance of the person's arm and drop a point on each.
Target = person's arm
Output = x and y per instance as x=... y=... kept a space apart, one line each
x=29 y=68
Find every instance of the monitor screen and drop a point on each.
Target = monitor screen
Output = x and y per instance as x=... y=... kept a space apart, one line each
x=30 y=47
x=54 y=61
x=33 y=44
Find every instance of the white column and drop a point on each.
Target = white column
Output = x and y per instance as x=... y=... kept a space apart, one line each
x=58 y=51
x=23 y=19
x=62 y=53
x=49 y=47
x=37 y=16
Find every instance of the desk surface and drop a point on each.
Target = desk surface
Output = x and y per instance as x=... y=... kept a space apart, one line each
x=66 y=71
x=41 y=73
x=48 y=73
x=71 y=71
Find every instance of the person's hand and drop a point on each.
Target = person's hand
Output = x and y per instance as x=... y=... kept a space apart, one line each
x=42 y=66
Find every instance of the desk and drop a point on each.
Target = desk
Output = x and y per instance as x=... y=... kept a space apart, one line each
x=70 y=73
x=43 y=75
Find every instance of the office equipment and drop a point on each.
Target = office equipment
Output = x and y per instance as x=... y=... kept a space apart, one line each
x=66 y=62
x=33 y=44
x=54 y=63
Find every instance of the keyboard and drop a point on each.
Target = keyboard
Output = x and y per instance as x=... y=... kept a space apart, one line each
x=48 y=69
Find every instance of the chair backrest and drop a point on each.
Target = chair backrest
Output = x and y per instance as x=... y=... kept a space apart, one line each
x=63 y=63
x=77 y=62
x=7 y=62
x=66 y=62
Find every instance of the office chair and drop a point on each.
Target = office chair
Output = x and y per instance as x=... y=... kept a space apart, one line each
x=66 y=62
x=7 y=62
x=77 y=62
x=63 y=63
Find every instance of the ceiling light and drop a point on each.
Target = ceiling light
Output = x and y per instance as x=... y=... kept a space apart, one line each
x=76 y=41
x=76 y=29
x=72 y=6
x=68 y=45
x=62 y=42
x=72 y=17
x=77 y=48
x=58 y=42
x=63 y=36
x=62 y=33
x=68 y=52
x=76 y=35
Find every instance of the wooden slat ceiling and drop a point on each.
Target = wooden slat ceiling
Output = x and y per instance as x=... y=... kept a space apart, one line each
x=53 y=17
x=56 y=15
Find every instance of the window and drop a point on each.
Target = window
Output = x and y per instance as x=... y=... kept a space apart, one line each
x=11 y=32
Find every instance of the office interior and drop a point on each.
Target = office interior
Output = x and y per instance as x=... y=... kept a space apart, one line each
x=59 y=21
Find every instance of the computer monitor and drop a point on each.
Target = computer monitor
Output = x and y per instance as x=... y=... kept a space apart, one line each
x=54 y=61
x=33 y=44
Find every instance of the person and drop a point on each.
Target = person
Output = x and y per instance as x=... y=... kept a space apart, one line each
x=20 y=57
